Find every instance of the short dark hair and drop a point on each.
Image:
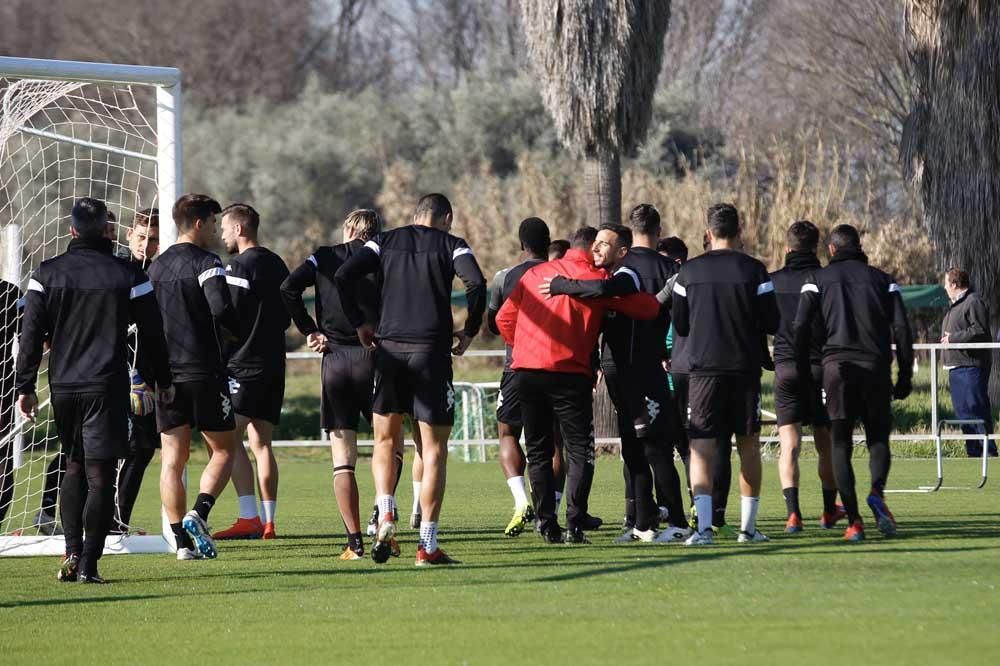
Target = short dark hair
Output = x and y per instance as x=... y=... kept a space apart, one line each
x=437 y=205
x=89 y=217
x=559 y=246
x=958 y=277
x=624 y=233
x=644 y=219
x=191 y=207
x=724 y=220
x=674 y=248
x=802 y=236
x=534 y=236
x=845 y=237
x=147 y=217
x=244 y=214
x=583 y=238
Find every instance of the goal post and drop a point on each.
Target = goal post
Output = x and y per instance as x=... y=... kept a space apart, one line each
x=68 y=130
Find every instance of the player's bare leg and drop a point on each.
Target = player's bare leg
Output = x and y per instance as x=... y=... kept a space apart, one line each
x=513 y=463
x=248 y=525
x=175 y=445
x=417 y=476
x=260 y=433
x=434 y=452
x=790 y=436
x=388 y=428
x=748 y=447
x=344 y=450
x=703 y=452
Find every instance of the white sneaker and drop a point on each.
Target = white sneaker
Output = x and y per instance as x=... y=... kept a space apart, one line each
x=184 y=554
x=756 y=537
x=674 y=534
x=700 y=539
x=200 y=534
x=644 y=536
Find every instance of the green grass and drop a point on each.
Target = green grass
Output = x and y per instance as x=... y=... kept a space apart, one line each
x=927 y=597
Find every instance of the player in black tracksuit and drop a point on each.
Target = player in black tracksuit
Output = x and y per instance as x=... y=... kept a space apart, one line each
x=198 y=318
x=143 y=239
x=81 y=302
x=413 y=359
x=724 y=303
x=533 y=234
x=10 y=311
x=798 y=394
x=861 y=311
x=631 y=361
x=348 y=372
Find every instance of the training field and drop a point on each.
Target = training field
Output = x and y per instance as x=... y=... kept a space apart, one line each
x=929 y=596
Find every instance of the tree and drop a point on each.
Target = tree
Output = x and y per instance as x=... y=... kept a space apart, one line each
x=951 y=140
x=598 y=63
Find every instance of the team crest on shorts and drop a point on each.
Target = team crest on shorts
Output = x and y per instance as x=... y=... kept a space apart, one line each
x=234 y=386
x=227 y=405
x=450 y=396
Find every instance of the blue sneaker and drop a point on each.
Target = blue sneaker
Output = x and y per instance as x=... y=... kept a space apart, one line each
x=198 y=531
x=886 y=521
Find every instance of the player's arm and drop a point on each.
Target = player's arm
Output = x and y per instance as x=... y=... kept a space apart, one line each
x=903 y=337
x=363 y=262
x=767 y=306
x=622 y=283
x=637 y=306
x=680 y=314
x=808 y=310
x=213 y=284
x=295 y=284
x=496 y=301
x=145 y=312
x=34 y=331
x=507 y=316
x=468 y=271
x=978 y=330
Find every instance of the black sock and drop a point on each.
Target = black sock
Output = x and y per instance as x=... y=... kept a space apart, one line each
x=355 y=543
x=829 y=501
x=181 y=536
x=791 y=496
x=203 y=505
x=843 y=447
x=630 y=511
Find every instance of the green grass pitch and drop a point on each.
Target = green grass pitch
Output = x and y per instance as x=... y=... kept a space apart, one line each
x=927 y=597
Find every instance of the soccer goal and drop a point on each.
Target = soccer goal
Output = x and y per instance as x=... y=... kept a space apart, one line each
x=69 y=130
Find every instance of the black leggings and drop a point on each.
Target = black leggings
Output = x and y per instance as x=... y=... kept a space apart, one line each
x=879 y=462
x=87 y=504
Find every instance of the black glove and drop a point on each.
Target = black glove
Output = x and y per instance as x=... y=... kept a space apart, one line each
x=903 y=388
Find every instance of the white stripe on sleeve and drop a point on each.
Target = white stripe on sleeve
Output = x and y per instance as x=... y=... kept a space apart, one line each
x=312 y=260
x=808 y=286
x=35 y=285
x=211 y=273
x=680 y=290
x=459 y=252
x=373 y=246
x=765 y=288
x=243 y=283
x=141 y=290
x=631 y=273
x=893 y=287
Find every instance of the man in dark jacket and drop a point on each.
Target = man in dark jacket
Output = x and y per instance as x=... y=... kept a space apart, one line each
x=862 y=313
x=81 y=302
x=968 y=320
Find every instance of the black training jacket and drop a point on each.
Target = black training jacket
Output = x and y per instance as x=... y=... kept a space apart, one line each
x=197 y=310
x=862 y=312
x=418 y=265
x=255 y=277
x=81 y=302
x=799 y=268
x=503 y=284
x=724 y=303
x=318 y=271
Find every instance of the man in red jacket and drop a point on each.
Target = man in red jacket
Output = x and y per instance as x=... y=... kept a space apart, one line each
x=554 y=339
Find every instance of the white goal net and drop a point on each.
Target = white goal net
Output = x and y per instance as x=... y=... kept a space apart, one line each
x=68 y=130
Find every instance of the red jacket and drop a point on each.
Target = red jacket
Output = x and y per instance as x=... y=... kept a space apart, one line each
x=559 y=333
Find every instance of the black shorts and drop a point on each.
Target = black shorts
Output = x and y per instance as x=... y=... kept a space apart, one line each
x=798 y=401
x=644 y=398
x=258 y=397
x=681 y=381
x=508 y=404
x=348 y=377
x=720 y=406
x=92 y=425
x=860 y=392
x=204 y=405
x=414 y=382
x=143 y=434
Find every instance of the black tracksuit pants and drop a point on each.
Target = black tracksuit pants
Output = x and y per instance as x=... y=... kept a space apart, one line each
x=548 y=398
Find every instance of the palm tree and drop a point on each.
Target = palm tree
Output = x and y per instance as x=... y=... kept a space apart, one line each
x=598 y=61
x=951 y=140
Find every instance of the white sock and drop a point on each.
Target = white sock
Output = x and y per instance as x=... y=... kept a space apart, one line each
x=416 y=496
x=269 y=508
x=429 y=536
x=248 y=507
x=386 y=505
x=516 y=485
x=703 y=505
x=748 y=514
x=558 y=501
